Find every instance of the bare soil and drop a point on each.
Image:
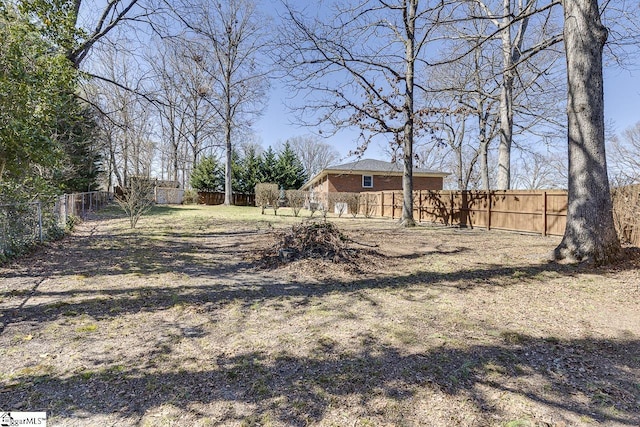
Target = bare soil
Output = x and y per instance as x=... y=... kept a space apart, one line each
x=179 y=323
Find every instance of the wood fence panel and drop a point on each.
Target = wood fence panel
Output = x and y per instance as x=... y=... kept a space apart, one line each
x=557 y=203
x=217 y=198
x=532 y=211
x=517 y=211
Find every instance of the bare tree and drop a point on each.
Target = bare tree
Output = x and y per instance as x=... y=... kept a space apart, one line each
x=517 y=21
x=624 y=156
x=233 y=39
x=590 y=232
x=170 y=109
x=357 y=67
x=126 y=122
x=536 y=171
x=314 y=154
x=77 y=25
x=466 y=90
x=181 y=85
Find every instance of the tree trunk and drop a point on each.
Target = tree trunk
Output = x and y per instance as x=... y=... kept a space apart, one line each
x=506 y=103
x=407 y=178
x=590 y=234
x=227 y=166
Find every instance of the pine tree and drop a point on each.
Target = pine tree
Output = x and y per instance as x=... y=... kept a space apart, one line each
x=290 y=172
x=208 y=175
x=269 y=169
x=247 y=171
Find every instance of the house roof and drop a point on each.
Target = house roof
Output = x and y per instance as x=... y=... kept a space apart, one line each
x=371 y=167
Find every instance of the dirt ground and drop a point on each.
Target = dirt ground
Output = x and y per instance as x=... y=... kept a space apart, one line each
x=179 y=323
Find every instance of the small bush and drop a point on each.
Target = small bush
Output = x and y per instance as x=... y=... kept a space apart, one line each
x=137 y=199
x=267 y=195
x=626 y=213
x=344 y=202
x=190 y=197
x=369 y=204
x=296 y=199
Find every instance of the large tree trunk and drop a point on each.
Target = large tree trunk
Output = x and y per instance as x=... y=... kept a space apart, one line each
x=590 y=234
x=407 y=178
x=506 y=103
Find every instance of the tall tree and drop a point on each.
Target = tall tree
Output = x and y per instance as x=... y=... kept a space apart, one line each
x=234 y=38
x=247 y=170
x=512 y=20
x=181 y=87
x=590 y=234
x=126 y=125
x=269 y=169
x=358 y=67
x=37 y=106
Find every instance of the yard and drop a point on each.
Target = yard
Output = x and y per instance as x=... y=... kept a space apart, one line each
x=179 y=323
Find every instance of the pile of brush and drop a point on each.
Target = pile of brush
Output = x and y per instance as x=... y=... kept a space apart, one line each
x=313 y=240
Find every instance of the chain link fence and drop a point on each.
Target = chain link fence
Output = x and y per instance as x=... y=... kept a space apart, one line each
x=25 y=224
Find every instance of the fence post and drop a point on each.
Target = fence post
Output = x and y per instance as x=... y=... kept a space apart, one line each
x=544 y=213
x=488 y=193
x=419 y=205
x=451 y=216
x=393 y=205
x=39 y=205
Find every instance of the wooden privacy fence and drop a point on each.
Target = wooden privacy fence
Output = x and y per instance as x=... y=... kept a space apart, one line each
x=217 y=198
x=532 y=211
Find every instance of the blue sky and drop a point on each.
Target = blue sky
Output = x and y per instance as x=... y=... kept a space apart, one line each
x=622 y=109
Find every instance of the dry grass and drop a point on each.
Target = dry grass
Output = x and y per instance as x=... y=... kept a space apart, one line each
x=174 y=324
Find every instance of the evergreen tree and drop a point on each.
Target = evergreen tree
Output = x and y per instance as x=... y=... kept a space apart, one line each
x=208 y=175
x=269 y=169
x=37 y=86
x=289 y=170
x=83 y=161
x=47 y=143
x=247 y=171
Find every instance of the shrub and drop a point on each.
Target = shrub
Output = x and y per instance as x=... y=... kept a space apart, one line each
x=267 y=195
x=190 y=197
x=353 y=203
x=137 y=199
x=296 y=199
x=369 y=203
x=344 y=202
x=626 y=213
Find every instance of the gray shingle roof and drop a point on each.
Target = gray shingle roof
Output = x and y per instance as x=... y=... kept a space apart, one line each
x=372 y=165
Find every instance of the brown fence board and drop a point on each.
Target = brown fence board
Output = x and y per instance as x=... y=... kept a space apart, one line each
x=217 y=198
x=541 y=212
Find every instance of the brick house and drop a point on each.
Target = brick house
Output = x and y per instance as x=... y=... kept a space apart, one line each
x=368 y=175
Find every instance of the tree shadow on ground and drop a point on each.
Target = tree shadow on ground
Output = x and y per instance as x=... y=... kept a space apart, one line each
x=216 y=286
x=593 y=378
x=222 y=273
x=575 y=379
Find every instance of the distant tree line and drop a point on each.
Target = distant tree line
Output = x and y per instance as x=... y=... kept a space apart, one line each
x=250 y=167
